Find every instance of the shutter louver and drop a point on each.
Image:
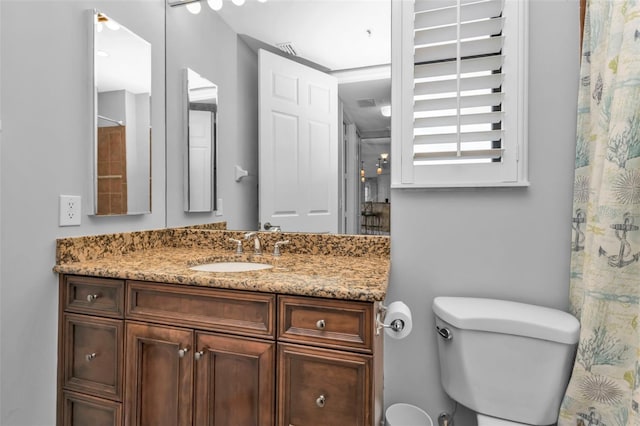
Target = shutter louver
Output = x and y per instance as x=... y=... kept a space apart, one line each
x=458 y=79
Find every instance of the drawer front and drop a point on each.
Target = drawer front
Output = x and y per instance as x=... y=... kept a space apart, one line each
x=94 y=296
x=83 y=410
x=229 y=311
x=332 y=323
x=93 y=355
x=323 y=387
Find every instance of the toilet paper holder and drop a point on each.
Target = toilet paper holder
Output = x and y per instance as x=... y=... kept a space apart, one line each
x=396 y=325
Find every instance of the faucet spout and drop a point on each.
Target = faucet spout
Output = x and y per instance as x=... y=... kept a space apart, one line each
x=257 y=246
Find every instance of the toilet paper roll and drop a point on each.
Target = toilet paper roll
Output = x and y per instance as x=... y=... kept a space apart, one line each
x=401 y=312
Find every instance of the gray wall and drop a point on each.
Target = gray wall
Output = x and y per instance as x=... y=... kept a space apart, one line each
x=46 y=151
x=503 y=243
x=511 y=244
x=207 y=45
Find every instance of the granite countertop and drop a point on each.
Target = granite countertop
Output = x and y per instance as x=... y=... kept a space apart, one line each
x=338 y=274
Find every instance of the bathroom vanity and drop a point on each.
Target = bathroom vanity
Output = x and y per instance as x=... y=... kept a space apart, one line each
x=145 y=340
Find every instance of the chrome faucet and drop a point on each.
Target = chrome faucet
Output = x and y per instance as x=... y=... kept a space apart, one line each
x=257 y=247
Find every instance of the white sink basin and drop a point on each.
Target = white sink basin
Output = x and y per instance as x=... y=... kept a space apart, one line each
x=231 y=267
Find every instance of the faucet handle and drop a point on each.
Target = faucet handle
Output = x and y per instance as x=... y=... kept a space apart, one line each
x=276 y=247
x=238 y=245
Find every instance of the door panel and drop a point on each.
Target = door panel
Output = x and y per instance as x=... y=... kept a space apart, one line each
x=159 y=382
x=200 y=170
x=298 y=152
x=235 y=381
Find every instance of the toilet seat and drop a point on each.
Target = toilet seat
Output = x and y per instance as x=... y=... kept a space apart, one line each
x=494 y=421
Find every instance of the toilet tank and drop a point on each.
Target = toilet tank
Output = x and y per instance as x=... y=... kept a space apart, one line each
x=505 y=359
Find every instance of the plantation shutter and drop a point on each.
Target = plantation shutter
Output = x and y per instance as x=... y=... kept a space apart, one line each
x=458 y=81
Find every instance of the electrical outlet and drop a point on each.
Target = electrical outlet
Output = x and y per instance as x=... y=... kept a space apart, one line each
x=70 y=209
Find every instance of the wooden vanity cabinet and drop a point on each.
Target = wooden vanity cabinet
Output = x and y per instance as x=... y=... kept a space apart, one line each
x=198 y=356
x=153 y=354
x=174 y=375
x=90 y=351
x=329 y=362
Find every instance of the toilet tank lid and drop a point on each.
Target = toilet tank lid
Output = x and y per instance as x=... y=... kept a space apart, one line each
x=502 y=316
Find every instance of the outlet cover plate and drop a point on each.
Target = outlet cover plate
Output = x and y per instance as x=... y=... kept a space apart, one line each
x=70 y=210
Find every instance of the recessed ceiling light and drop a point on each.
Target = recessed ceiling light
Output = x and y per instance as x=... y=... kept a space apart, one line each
x=102 y=53
x=238 y=2
x=194 y=7
x=215 y=4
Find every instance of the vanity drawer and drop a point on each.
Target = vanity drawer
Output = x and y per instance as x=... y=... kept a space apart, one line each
x=93 y=355
x=341 y=324
x=82 y=410
x=323 y=387
x=94 y=296
x=230 y=311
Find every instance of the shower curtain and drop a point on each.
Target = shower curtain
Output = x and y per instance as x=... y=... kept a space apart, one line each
x=605 y=271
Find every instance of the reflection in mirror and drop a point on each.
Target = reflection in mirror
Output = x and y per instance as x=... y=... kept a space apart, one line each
x=122 y=104
x=201 y=110
x=350 y=42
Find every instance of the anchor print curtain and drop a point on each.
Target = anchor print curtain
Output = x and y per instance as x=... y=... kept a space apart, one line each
x=605 y=273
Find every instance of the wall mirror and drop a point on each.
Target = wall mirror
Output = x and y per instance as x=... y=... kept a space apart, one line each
x=351 y=43
x=200 y=135
x=121 y=87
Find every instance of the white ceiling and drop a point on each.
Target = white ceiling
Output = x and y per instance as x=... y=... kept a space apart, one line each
x=336 y=35
x=127 y=64
x=331 y=33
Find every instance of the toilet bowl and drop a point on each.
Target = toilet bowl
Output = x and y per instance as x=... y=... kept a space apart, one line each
x=507 y=361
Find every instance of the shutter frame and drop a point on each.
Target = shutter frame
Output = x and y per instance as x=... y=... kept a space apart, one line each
x=512 y=171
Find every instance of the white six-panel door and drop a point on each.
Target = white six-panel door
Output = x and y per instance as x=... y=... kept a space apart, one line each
x=200 y=173
x=298 y=154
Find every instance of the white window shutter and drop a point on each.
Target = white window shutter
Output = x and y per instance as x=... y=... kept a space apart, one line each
x=468 y=87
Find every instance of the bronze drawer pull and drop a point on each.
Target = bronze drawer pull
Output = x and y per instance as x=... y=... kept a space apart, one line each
x=90 y=357
x=320 y=401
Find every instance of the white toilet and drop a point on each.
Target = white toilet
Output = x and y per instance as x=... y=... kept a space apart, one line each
x=509 y=362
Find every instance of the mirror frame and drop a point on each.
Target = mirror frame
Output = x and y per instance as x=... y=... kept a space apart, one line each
x=186 y=147
x=93 y=90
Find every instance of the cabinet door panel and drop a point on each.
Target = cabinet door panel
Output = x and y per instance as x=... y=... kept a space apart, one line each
x=323 y=387
x=235 y=381
x=158 y=387
x=93 y=355
x=83 y=410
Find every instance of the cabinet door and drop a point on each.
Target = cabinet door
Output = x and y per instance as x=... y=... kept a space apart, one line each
x=235 y=381
x=323 y=387
x=159 y=375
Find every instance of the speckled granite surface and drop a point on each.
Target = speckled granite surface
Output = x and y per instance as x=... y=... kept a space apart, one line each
x=349 y=267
